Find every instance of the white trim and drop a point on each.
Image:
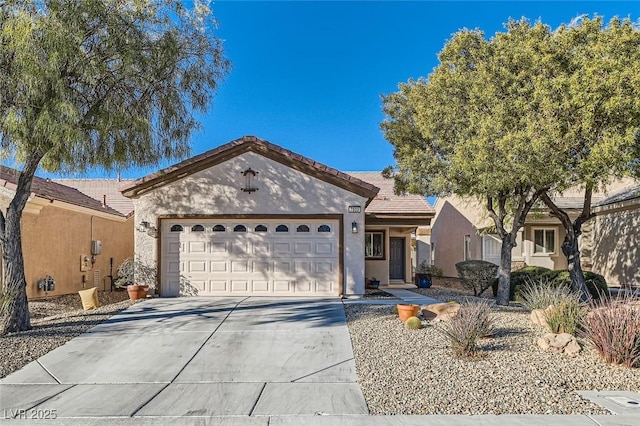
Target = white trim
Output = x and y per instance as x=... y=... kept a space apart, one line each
x=544 y=235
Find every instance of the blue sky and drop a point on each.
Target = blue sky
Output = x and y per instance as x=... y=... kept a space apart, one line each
x=308 y=75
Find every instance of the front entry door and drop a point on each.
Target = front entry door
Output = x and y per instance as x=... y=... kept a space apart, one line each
x=396 y=258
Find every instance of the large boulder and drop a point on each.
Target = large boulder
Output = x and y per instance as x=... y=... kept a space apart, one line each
x=560 y=343
x=442 y=311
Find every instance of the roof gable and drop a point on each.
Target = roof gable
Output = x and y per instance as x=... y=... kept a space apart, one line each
x=47 y=189
x=240 y=146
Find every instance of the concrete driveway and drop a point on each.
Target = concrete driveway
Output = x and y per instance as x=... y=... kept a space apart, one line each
x=198 y=357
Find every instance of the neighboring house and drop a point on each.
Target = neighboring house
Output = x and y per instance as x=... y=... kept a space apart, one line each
x=59 y=228
x=104 y=190
x=611 y=245
x=462 y=230
x=391 y=233
x=252 y=218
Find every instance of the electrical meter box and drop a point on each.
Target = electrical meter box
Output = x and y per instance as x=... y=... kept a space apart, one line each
x=96 y=247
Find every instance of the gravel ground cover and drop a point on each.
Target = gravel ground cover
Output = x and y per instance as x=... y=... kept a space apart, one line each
x=55 y=321
x=374 y=293
x=413 y=372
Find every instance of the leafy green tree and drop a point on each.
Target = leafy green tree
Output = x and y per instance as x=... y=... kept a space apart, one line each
x=596 y=103
x=96 y=84
x=518 y=117
x=473 y=127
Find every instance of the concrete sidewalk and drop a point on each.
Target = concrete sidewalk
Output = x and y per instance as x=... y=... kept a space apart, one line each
x=198 y=357
x=403 y=296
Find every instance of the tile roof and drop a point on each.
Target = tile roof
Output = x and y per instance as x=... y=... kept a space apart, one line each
x=47 y=189
x=388 y=202
x=102 y=190
x=625 y=194
x=249 y=144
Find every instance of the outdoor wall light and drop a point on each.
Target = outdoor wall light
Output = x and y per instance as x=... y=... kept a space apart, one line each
x=148 y=228
x=144 y=226
x=354 y=227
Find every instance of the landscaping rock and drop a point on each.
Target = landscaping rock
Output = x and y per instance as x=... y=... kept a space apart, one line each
x=443 y=311
x=538 y=317
x=559 y=343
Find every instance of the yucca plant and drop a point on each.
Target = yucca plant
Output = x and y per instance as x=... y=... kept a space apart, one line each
x=565 y=317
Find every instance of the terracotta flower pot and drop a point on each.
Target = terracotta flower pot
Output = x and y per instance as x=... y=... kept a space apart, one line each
x=137 y=291
x=406 y=311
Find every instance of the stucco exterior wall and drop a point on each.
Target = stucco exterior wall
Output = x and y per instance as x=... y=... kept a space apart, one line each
x=616 y=246
x=281 y=191
x=454 y=219
x=54 y=240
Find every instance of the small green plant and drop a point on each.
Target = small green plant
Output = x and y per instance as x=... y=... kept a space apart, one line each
x=565 y=317
x=613 y=328
x=413 y=323
x=541 y=292
x=136 y=272
x=394 y=310
x=473 y=321
x=431 y=270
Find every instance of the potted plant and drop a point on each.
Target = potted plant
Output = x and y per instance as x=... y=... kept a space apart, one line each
x=138 y=277
x=373 y=282
x=424 y=274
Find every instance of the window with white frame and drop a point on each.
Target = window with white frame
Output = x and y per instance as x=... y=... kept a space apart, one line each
x=544 y=241
x=374 y=245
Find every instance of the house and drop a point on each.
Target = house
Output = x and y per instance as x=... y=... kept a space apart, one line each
x=67 y=235
x=396 y=234
x=462 y=230
x=252 y=218
x=611 y=245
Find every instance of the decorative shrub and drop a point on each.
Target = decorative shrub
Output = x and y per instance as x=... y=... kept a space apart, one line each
x=413 y=323
x=540 y=293
x=565 y=317
x=596 y=284
x=477 y=274
x=520 y=277
x=473 y=321
x=613 y=328
x=394 y=310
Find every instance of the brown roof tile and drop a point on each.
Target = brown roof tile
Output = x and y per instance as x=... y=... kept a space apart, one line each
x=240 y=146
x=388 y=202
x=45 y=188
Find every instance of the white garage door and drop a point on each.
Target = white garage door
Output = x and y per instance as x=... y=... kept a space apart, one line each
x=250 y=257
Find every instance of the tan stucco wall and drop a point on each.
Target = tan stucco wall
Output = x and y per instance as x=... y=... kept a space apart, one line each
x=454 y=219
x=557 y=260
x=616 y=246
x=281 y=190
x=54 y=239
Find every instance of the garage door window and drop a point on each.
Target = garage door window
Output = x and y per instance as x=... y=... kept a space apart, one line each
x=282 y=228
x=240 y=228
x=219 y=228
x=261 y=228
x=197 y=228
x=302 y=228
x=177 y=228
x=324 y=228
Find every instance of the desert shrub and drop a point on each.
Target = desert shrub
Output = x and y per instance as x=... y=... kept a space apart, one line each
x=613 y=328
x=473 y=321
x=596 y=284
x=478 y=275
x=394 y=310
x=540 y=293
x=413 y=323
x=565 y=317
x=520 y=277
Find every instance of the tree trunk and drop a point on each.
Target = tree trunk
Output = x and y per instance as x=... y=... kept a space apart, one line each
x=504 y=272
x=570 y=244
x=14 y=309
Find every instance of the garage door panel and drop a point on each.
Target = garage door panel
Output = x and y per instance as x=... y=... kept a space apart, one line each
x=218 y=266
x=196 y=266
x=239 y=266
x=218 y=247
x=258 y=261
x=240 y=286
